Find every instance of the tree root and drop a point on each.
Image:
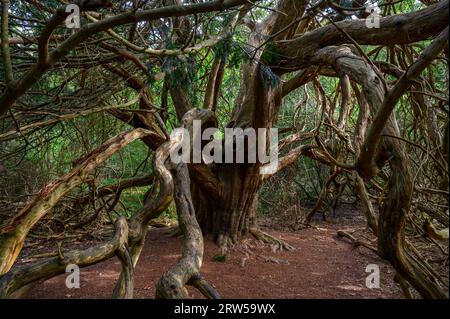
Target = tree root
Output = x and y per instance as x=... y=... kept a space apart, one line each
x=160 y=223
x=247 y=252
x=278 y=244
x=224 y=242
x=174 y=232
x=356 y=242
x=406 y=289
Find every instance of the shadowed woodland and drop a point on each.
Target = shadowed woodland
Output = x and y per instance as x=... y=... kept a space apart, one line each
x=86 y=114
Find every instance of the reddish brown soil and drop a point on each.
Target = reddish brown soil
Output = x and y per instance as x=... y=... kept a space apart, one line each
x=322 y=266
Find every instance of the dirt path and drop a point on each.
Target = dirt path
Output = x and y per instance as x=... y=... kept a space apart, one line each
x=322 y=266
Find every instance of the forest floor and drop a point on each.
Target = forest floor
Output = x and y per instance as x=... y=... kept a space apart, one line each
x=321 y=266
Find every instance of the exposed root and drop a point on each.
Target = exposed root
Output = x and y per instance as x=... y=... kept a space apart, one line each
x=356 y=242
x=406 y=289
x=173 y=232
x=224 y=242
x=247 y=252
x=161 y=223
x=276 y=243
x=40 y=256
x=243 y=261
x=246 y=249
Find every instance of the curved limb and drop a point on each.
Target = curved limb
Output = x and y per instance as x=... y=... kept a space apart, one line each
x=322 y=195
x=138 y=226
x=13 y=235
x=25 y=277
x=140 y=221
x=152 y=209
x=186 y=271
x=204 y=287
x=125 y=291
x=391 y=237
x=171 y=285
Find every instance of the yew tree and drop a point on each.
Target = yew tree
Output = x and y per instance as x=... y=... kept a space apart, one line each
x=155 y=65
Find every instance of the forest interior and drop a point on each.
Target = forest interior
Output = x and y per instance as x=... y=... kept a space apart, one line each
x=97 y=98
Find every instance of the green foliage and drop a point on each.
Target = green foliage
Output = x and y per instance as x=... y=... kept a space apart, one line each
x=271 y=54
x=50 y=152
x=220 y=258
x=230 y=51
x=180 y=71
